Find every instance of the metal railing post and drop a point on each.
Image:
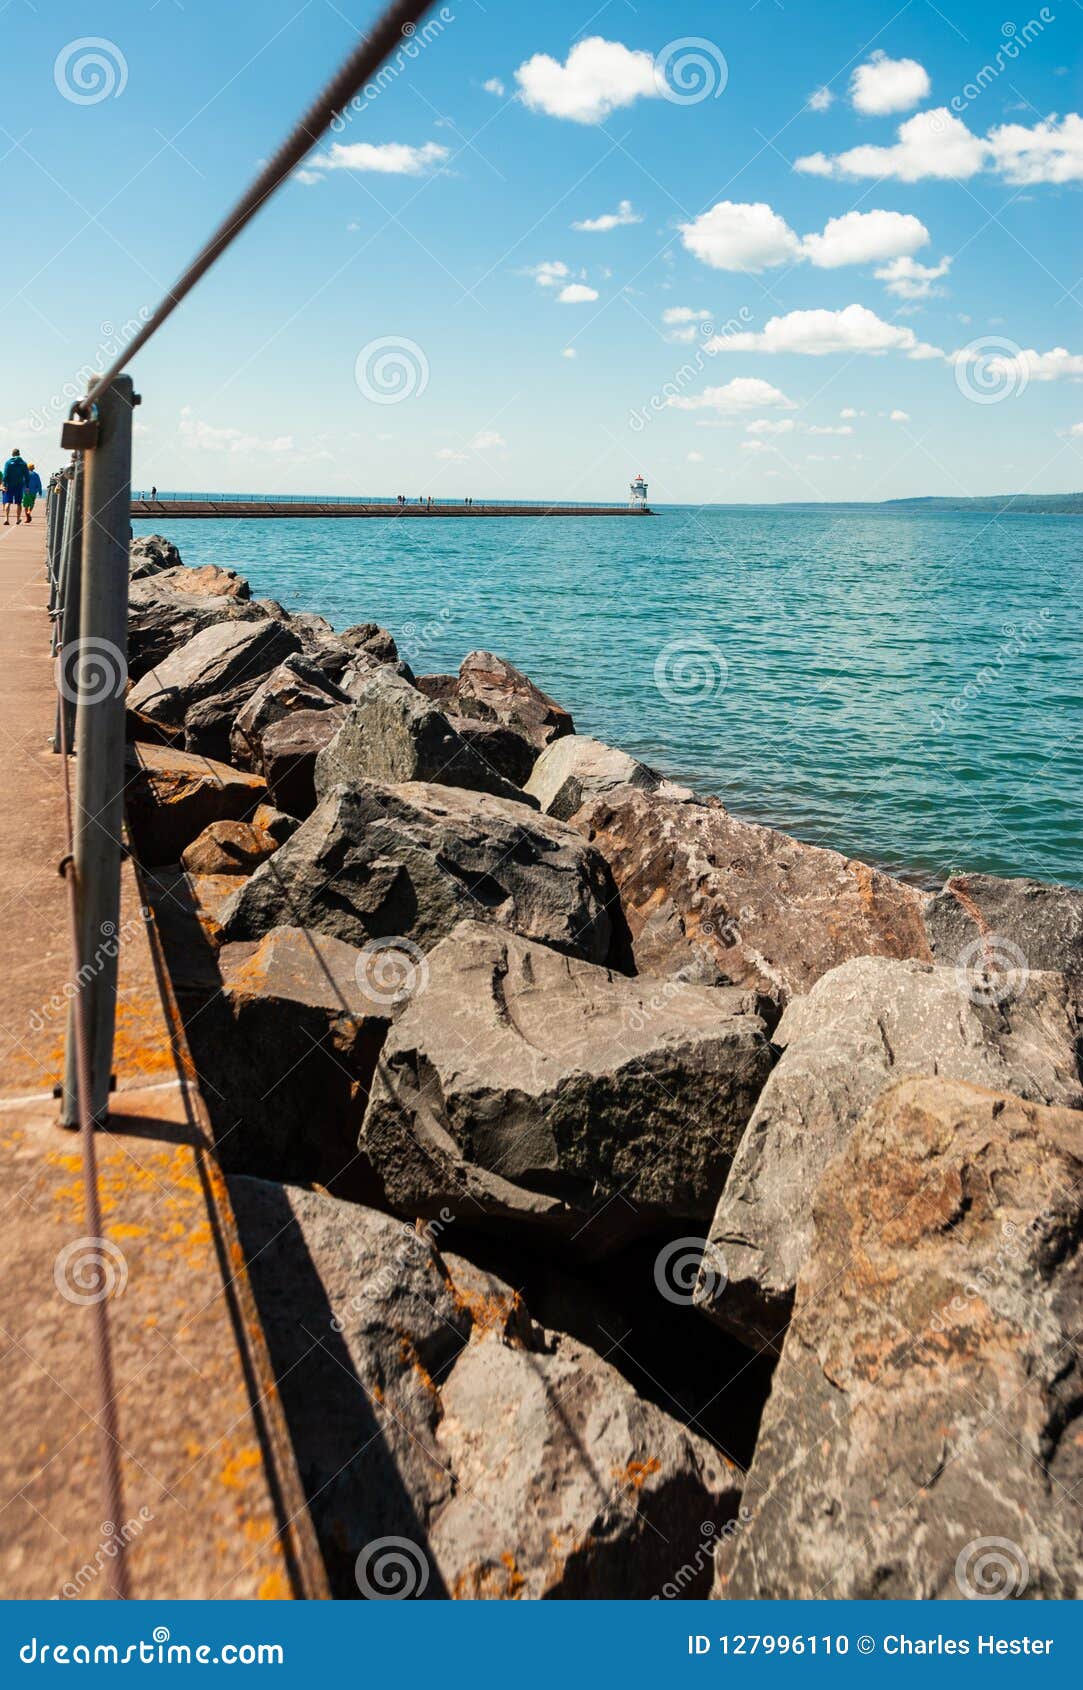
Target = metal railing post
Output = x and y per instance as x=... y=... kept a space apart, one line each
x=69 y=579
x=54 y=529
x=100 y=667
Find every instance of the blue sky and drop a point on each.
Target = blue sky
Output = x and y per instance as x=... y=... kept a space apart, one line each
x=840 y=252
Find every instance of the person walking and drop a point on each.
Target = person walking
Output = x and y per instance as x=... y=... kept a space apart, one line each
x=15 y=478
x=33 y=491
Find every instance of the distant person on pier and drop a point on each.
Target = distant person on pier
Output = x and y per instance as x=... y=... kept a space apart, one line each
x=15 y=478
x=33 y=491
x=154 y=492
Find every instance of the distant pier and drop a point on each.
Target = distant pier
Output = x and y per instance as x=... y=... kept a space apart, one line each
x=345 y=507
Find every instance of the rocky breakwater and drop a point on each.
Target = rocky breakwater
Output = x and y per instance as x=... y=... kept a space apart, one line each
x=576 y=1126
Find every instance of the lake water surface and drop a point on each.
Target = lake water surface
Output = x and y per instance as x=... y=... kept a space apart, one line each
x=904 y=686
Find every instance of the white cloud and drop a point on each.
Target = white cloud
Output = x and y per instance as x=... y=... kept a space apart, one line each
x=207 y=437
x=597 y=78
x=1050 y=152
x=863 y=237
x=1076 y=429
x=569 y=352
x=767 y=425
x=821 y=100
x=899 y=416
x=684 y=314
x=732 y=236
x=744 y=393
x=830 y=428
x=884 y=85
x=757 y=446
x=935 y=144
x=448 y=455
x=697 y=457
x=813 y=333
x=576 y=293
x=486 y=439
x=495 y=86
x=618 y=219
x=1056 y=365
x=549 y=273
x=907 y=279
x=387 y=158
x=848 y=411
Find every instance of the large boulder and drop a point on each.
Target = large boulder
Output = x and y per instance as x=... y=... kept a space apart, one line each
x=228 y=848
x=289 y=752
x=375 y=861
x=394 y=733
x=227 y=657
x=293 y=1046
x=575 y=769
x=150 y=554
x=534 y=1091
x=1007 y=926
x=371 y=638
x=865 y=1024
x=773 y=913
x=160 y=622
x=296 y=684
x=172 y=797
x=209 y=581
x=448 y=1446
x=490 y=688
x=921 y=1438
x=502 y=748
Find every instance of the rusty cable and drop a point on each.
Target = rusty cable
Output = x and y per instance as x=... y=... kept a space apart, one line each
x=399 y=20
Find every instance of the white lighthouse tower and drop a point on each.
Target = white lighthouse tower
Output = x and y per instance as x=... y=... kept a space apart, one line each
x=638 y=501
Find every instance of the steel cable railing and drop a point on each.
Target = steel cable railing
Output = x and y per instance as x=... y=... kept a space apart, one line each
x=88 y=536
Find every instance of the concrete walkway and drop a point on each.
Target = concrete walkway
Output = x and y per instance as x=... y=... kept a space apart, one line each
x=212 y=1503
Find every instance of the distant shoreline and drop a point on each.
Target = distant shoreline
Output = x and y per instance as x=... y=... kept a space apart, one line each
x=201 y=505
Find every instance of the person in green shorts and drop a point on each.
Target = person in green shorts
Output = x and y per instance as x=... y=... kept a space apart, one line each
x=33 y=489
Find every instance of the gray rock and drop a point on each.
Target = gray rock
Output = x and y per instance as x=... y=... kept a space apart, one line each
x=921 y=1438
x=224 y=658
x=298 y=1034
x=503 y=749
x=374 y=861
x=773 y=912
x=150 y=554
x=354 y=678
x=209 y=582
x=393 y=733
x=297 y=684
x=289 y=751
x=371 y=638
x=171 y=796
x=575 y=769
x=863 y=1025
x=490 y=688
x=159 y=622
x=426 y=1407
x=529 y=1090
x=1003 y=926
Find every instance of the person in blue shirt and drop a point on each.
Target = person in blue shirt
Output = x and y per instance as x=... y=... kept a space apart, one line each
x=15 y=479
x=32 y=491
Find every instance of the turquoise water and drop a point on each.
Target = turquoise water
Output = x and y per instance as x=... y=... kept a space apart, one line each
x=904 y=686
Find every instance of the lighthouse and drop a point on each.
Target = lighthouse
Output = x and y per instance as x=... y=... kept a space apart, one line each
x=638 y=501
